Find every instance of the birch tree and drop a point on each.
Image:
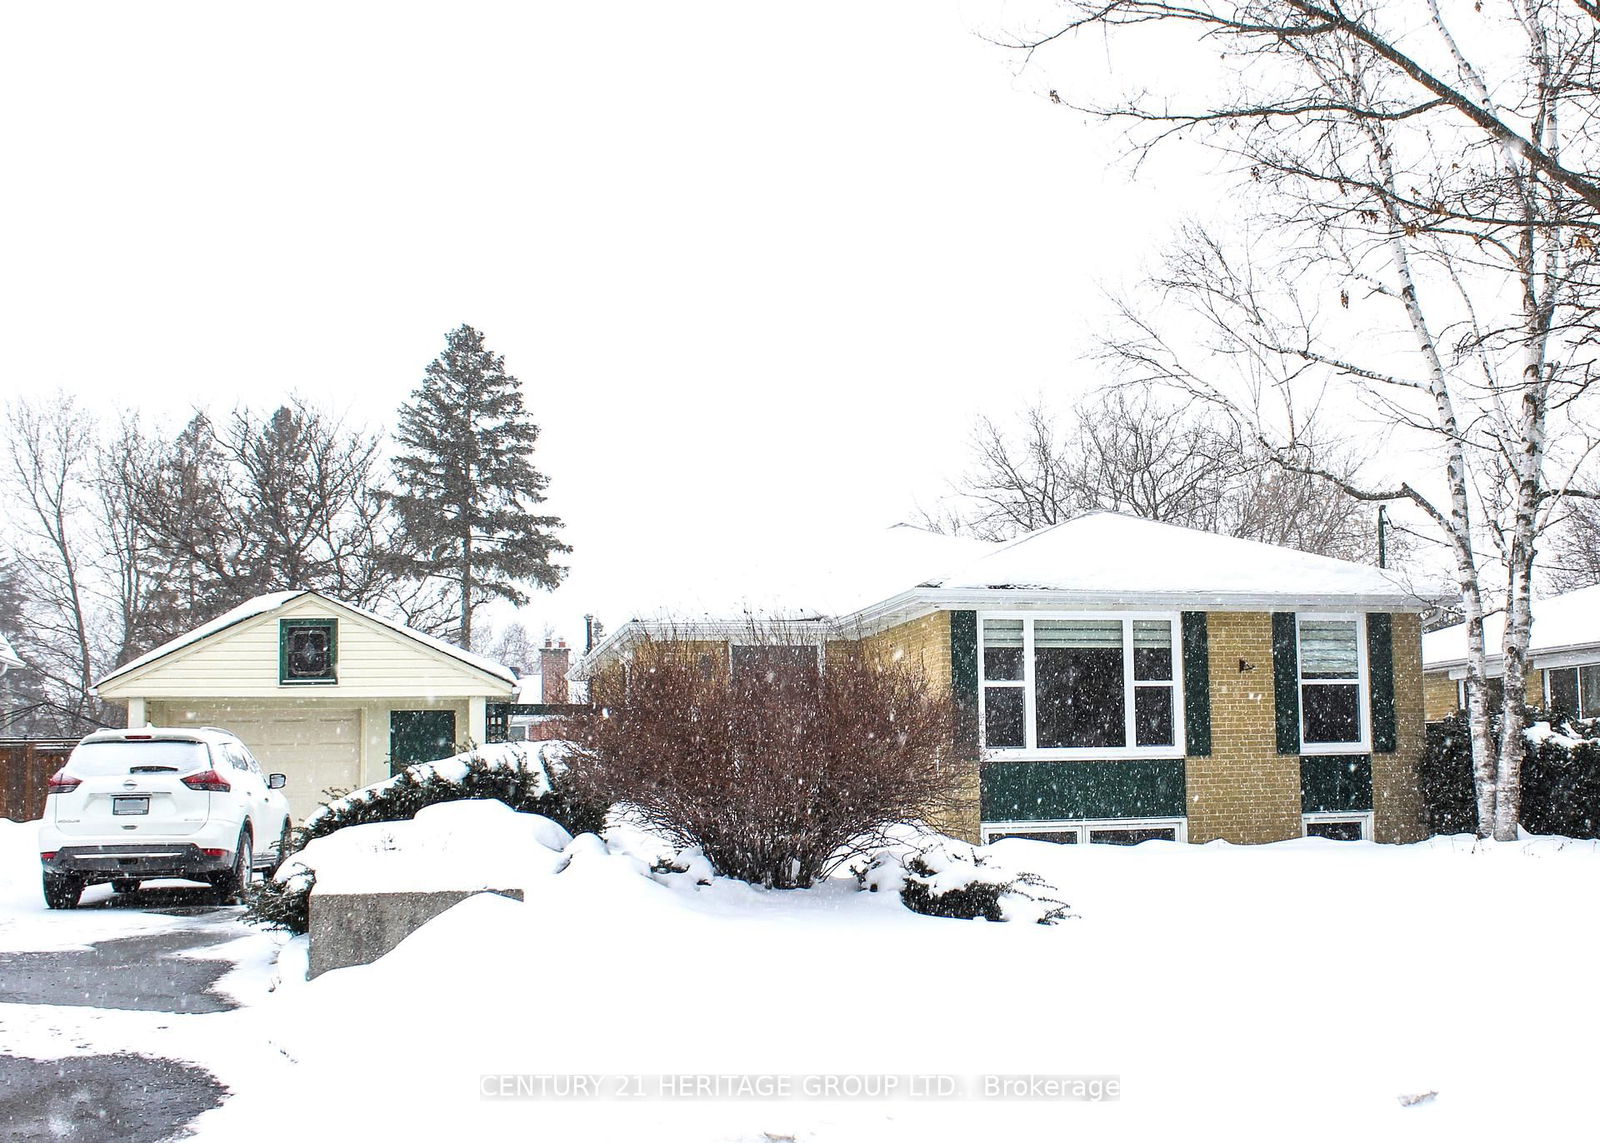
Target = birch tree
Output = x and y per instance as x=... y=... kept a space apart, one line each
x=1421 y=194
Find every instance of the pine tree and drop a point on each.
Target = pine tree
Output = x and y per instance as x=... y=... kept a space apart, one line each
x=468 y=484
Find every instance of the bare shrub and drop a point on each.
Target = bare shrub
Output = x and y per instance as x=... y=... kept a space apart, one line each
x=776 y=765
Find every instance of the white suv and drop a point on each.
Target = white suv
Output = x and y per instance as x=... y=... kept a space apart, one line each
x=131 y=805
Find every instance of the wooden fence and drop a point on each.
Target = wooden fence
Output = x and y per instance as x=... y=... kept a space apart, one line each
x=25 y=769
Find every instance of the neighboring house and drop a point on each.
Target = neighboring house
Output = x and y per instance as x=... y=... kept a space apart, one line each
x=8 y=657
x=544 y=702
x=329 y=694
x=1118 y=679
x=1563 y=658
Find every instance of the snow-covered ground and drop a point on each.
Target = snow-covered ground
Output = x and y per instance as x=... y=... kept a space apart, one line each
x=1298 y=989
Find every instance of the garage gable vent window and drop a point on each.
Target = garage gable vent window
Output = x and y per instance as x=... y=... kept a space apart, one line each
x=308 y=651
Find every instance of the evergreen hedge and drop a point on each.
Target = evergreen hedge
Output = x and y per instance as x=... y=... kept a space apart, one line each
x=1560 y=778
x=285 y=903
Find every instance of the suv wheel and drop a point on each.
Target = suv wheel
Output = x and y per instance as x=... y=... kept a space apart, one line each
x=230 y=886
x=125 y=885
x=62 y=890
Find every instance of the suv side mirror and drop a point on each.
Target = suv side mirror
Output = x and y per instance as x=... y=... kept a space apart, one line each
x=277 y=781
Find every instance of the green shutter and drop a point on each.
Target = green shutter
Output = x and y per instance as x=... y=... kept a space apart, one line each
x=1335 y=783
x=964 y=677
x=1380 y=682
x=1286 y=682
x=1196 y=685
x=1075 y=791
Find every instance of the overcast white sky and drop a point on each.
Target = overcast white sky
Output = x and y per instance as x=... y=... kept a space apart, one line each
x=758 y=266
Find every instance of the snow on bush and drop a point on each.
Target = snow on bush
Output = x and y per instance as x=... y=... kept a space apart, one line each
x=526 y=777
x=949 y=879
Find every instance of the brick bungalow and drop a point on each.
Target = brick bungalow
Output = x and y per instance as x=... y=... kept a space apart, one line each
x=1118 y=679
x=1563 y=658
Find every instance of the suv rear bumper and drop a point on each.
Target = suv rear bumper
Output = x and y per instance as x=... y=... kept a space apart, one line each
x=148 y=859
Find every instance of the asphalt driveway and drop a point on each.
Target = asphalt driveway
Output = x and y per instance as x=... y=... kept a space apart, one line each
x=123 y=1098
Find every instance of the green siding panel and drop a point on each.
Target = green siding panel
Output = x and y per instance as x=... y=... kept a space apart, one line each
x=1335 y=783
x=1286 y=682
x=1380 y=682
x=1047 y=791
x=1196 y=685
x=964 y=677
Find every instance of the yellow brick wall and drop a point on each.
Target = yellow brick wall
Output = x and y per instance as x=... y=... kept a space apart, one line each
x=1245 y=792
x=1396 y=803
x=1440 y=697
x=924 y=644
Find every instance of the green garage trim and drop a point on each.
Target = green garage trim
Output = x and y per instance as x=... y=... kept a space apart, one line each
x=964 y=678
x=1049 y=791
x=1380 y=681
x=1196 y=685
x=1286 y=681
x=1335 y=783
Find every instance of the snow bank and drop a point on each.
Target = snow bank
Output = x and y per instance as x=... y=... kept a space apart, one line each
x=470 y=844
x=1310 y=983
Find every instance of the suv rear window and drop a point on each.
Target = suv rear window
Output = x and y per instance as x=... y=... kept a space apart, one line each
x=101 y=759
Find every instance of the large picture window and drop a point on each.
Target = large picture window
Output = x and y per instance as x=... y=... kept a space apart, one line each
x=1080 y=685
x=1575 y=691
x=1333 y=710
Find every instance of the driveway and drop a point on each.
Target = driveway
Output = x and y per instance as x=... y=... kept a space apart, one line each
x=121 y=1097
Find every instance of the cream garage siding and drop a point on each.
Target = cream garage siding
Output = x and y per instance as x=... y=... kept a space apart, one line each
x=316 y=748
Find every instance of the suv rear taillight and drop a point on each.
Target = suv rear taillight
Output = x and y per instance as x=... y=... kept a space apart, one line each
x=61 y=784
x=207 y=780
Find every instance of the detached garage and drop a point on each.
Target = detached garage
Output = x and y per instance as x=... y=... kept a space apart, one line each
x=331 y=695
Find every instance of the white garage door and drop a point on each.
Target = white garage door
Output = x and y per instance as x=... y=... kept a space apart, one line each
x=316 y=749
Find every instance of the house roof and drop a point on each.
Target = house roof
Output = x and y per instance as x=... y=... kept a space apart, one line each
x=274 y=601
x=8 y=657
x=1109 y=557
x=1098 y=560
x=1561 y=624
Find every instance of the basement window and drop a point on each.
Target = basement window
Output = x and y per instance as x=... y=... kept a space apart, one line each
x=308 y=651
x=1337 y=827
x=1115 y=831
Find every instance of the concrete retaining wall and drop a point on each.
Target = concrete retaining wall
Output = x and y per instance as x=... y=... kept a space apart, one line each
x=358 y=928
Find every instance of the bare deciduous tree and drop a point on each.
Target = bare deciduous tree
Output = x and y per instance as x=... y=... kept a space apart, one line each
x=1430 y=167
x=1130 y=451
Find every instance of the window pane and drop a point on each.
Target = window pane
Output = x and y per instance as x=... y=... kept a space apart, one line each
x=1328 y=649
x=1002 y=632
x=1132 y=836
x=1330 y=712
x=1337 y=831
x=1100 y=633
x=1152 y=650
x=1589 y=699
x=309 y=656
x=1152 y=716
x=1058 y=836
x=789 y=667
x=1002 y=717
x=1564 y=691
x=1078 y=698
x=1002 y=664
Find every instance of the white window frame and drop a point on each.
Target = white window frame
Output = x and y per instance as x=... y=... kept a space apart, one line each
x=1081 y=827
x=1363 y=743
x=1363 y=819
x=1029 y=728
x=1577 y=669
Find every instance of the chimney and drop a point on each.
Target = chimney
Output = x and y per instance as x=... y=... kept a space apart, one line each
x=553 y=662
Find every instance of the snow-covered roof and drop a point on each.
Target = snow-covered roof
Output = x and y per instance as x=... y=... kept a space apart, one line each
x=1562 y=624
x=8 y=657
x=1108 y=557
x=273 y=601
x=1098 y=560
